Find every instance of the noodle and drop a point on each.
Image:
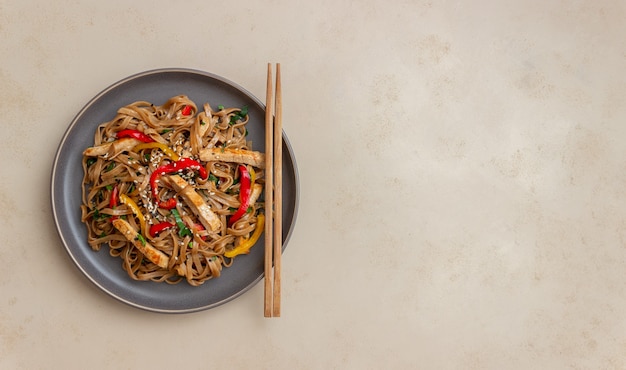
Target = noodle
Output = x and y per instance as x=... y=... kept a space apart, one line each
x=170 y=190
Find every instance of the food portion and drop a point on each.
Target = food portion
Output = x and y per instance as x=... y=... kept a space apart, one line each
x=173 y=191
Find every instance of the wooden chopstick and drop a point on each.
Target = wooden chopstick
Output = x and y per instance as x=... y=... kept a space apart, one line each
x=273 y=195
x=278 y=192
x=269 y=190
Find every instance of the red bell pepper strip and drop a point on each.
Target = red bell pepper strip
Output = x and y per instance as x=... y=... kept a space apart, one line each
x=186 y=110
x=168 y=204
x=114 y=200
x=157 y=228
x=200 y=227
x=179 y=165
x=135 y=134
x=245 y=190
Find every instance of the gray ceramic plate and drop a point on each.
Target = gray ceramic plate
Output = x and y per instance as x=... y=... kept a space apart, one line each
x=106 y=272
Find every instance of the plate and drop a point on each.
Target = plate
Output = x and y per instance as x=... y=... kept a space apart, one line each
x=106 y=272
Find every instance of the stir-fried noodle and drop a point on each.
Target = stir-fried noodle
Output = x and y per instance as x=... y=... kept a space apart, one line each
x=173 y=191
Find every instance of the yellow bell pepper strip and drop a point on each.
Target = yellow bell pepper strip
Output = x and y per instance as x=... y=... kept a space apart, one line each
x=244 y=247
x=252 y=175
x=124 y=199
x=164 y=148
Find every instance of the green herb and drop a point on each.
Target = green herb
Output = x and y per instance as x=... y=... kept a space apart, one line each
x=91 y=161
x=183 y=230
x=109 y=187
x=220 y=107
x=239 y=115
x=166 y=131
x=249 y=210
x=131 y=188
x=141 y=239
x=202 y=123
x=109 y=167
x=246 y=132
x=99 y=216
x=213 y=178
x=146 y=157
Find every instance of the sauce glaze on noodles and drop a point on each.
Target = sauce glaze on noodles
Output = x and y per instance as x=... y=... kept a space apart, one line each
x=186 y=131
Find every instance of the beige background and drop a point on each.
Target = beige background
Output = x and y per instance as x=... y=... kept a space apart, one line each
x=462 y=169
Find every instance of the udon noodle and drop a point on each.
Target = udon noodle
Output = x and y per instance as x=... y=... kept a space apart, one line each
x=173 y=191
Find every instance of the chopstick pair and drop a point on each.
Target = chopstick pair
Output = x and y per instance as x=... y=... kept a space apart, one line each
x=273 y=194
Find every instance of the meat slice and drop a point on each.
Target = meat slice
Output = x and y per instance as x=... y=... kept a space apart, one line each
x=250 y=157
x=199 y=207
x=257 y=189
x=154 y=255
x=112 y=149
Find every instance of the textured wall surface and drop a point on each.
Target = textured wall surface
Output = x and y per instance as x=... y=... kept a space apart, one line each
x=462 y=168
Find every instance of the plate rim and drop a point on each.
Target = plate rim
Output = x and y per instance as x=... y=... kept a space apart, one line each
x=55 y=170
